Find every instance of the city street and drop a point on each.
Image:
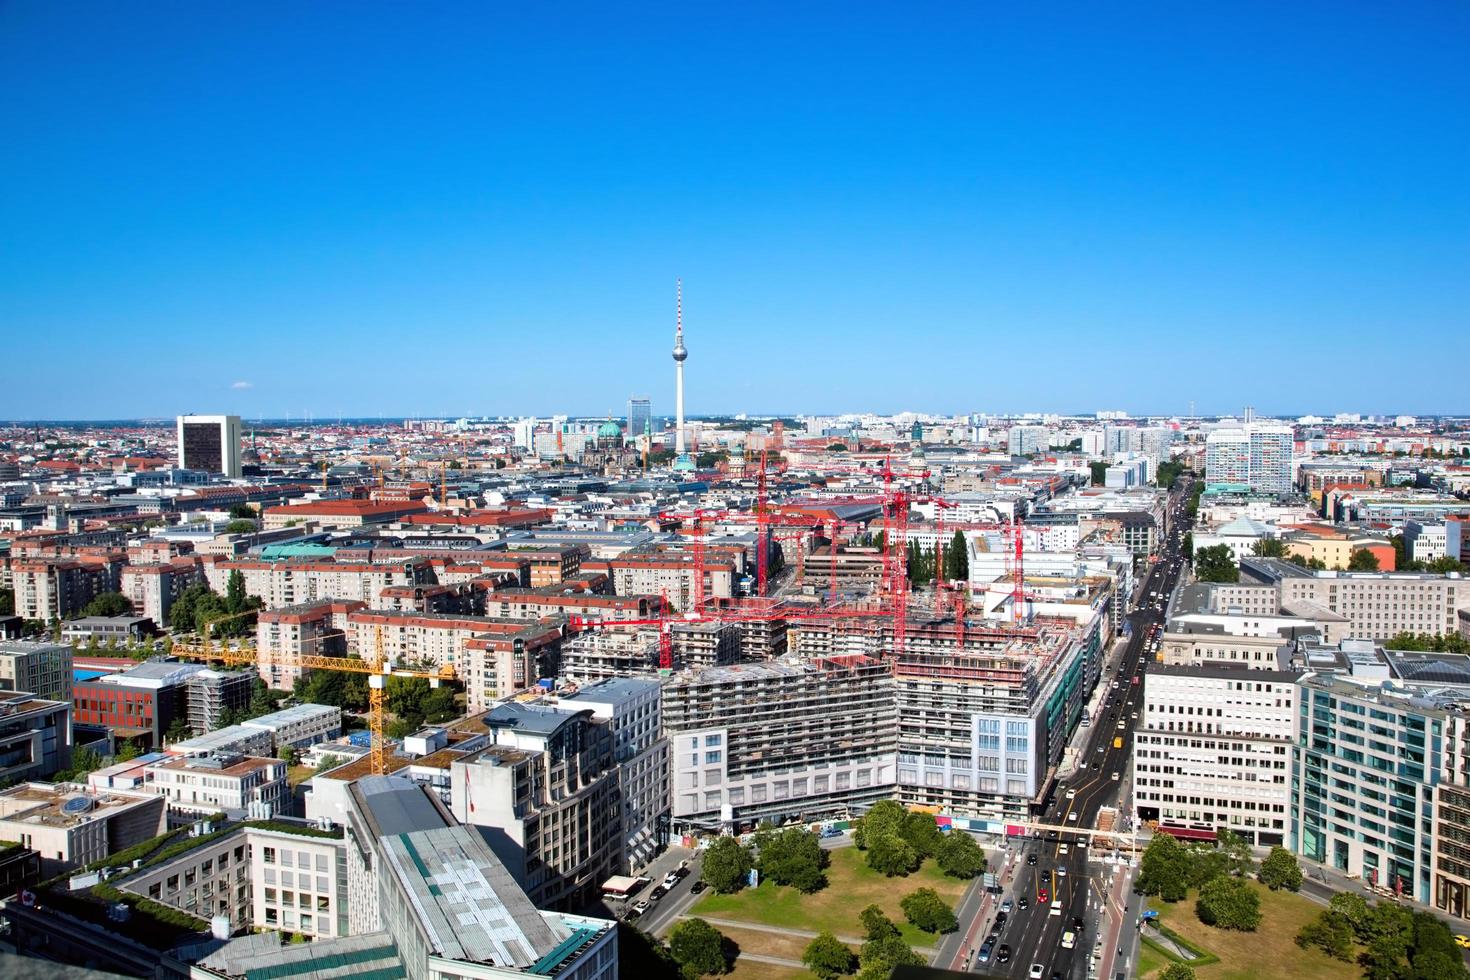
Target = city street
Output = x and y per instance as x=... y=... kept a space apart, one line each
x=1087 y=885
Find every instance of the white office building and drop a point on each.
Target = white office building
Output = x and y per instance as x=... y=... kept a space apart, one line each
x=1213 y=749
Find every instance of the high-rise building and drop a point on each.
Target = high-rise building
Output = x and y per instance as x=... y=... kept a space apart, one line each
x=210 y=443
x=1023 y=440
x=1258 y=456
x=640 y=420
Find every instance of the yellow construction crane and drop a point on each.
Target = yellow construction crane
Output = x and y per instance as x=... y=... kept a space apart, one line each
x=379 y=669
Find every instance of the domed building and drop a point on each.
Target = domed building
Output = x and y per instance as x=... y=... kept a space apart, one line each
x=609 y=435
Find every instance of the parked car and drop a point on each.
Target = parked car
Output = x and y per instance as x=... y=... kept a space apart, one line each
x=697 y=887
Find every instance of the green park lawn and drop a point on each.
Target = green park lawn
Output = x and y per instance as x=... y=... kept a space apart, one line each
x=751 y=970
x=1270 y=951
x=851 y=887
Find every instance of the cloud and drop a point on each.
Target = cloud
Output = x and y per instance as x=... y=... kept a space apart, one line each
x=241 y=385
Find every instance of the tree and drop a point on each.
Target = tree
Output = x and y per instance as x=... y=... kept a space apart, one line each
x=7 y=602
x=1216 y=564
x=108 y=604
x=1236 y=849
x=925 y=909
x=1187 y=543
x=726 y=865
x=883 y=817
x=698 y=948
x=242 y=511
x=1177 y=971
x=1281 y=870
x=1229 y=903
x=1443 y=565
x=127 y=751
x=1383 y=960
x=1165 y=869
x=921 y=831
x=959 y=856
x=1351 y=908
x=240 y=527
x=1099 y=470
x=1269 y=548
x=1438 y=965
x=957 y=559
x=287 y=755
x=879 y=957
x=891 y=855
x=876 y=924
x=1330 y=933
x=178 y=730
x=828 y=958
x=439 y=706
x=793 y=857
x=328 y=762
x=1362 y=560
x=837 y=447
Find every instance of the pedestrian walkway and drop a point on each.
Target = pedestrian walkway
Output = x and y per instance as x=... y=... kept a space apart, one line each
x=1321 y=882
x=925 y=951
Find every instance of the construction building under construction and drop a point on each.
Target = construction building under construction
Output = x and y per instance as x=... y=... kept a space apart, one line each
x=595 y=655
x=773 y=741
x=984 y=709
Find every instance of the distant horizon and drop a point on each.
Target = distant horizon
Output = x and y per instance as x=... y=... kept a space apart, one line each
x=332 y=420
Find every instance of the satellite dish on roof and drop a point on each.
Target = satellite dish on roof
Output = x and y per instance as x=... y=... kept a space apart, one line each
x=77 y=804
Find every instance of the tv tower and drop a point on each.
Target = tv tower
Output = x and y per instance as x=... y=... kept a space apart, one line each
x=682 y=461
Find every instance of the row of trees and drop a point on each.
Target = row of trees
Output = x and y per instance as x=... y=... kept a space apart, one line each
x=1389 y=941
x=1446 y=643
x=896 y=841
x=923 y=563
x=412 y=700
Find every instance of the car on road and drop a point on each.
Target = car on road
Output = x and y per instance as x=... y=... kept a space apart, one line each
x=1071 y=794
x=1005 y=907
x=1056 y=907
x=1069 y=939
x=1000 y=922
x=985 y=950
x=1462 y=941
x=1115 y=777
x=1062 y=849
x=1072 y=817
x=1037 y=971
x=657 y=893
x=1031 y=859
x=1061 y=871
x=1003 y=954
x=1077 y=922
x=1023 y=903
x=1042 y=895
x=697 y=887
x=641 y=907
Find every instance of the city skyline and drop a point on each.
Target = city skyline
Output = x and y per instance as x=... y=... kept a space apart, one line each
x=884 y=212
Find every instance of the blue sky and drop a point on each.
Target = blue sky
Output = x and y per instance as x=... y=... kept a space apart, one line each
x=415 y=209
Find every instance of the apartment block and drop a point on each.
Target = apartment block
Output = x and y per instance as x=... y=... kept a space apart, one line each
x=283 y=636
x=546 y=793
x=152 y=588
x=300 y=726
x=794 y=737
x=672 y=575
x=284 y=584
x=60 y=588
x=631 y=706
x=42 y=668
x=1212 y=749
